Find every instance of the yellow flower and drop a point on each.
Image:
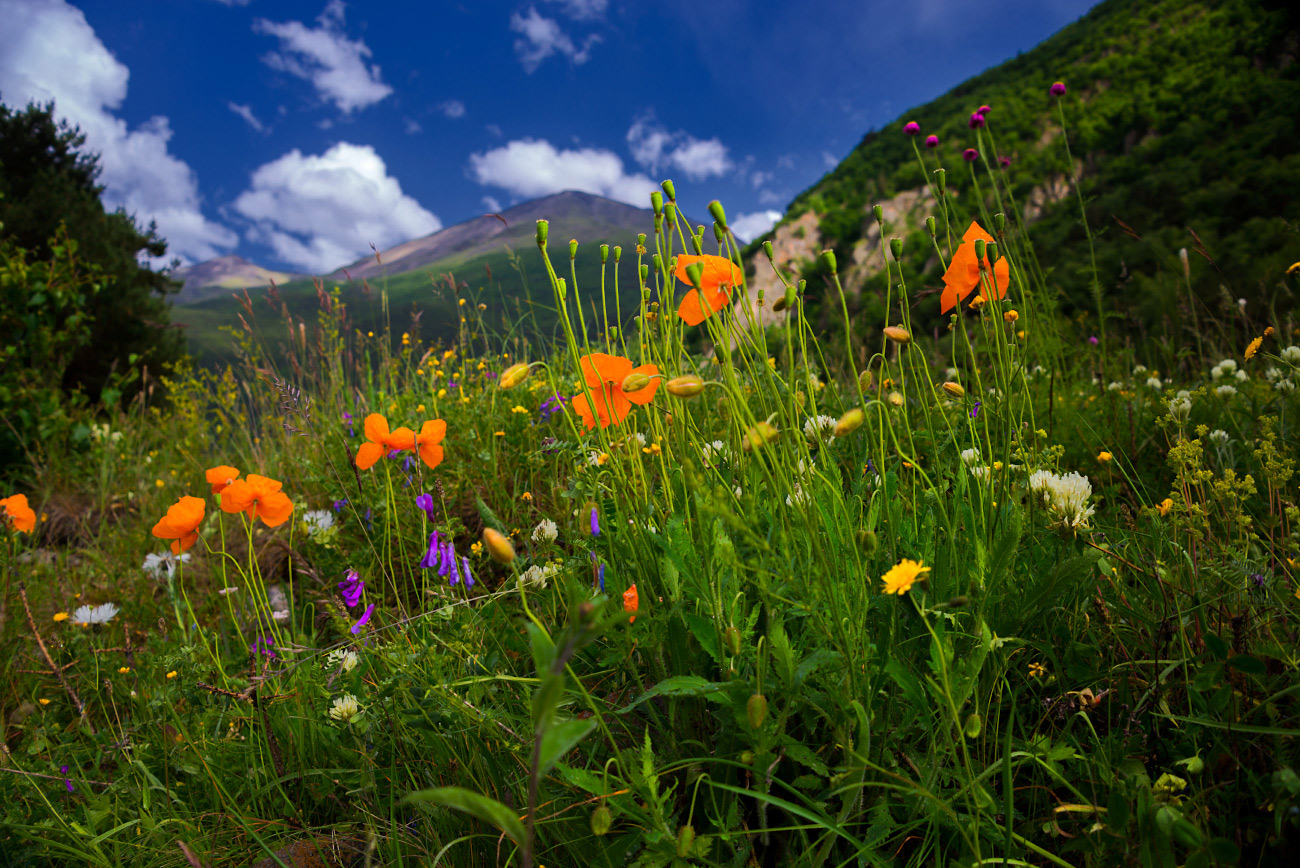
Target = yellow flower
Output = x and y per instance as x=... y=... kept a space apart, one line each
x=370 y=334
x=1104 y=456
x=172 y=674
x=901 y=577
x=122 y=670
x=476 y=548
x=602 y=458
x=43 y=701
x=1165 y=505
x=1253 y=348
x=419 y=409
x=527 y=495
x=1295 y=266
x=1037 y=670
x=518 y=409
x=652 y=449
x=499 y=433
x=442 y=393
x=997 y=465
x=977 y=302
x=1010 y=316
x=159 y=483
x=1268 y=332
x=60 y=616
x=461 y=302
x=419 y=372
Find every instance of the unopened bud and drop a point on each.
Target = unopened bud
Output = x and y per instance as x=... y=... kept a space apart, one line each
x=956 y=390
x=513 y=376
x=657 y=202
x=828 y=260
x=898 y=335
x=695 y=274
x=685 y=386
x=498 y=546
x=732 y=639
x=850 y=422
x=601 y=820
x=866 y=381
x=868 y=542
x=697 y=244
x=929 y=225
x=756 y=710
x=879 y=213
x=719 y=215
x=685 y=841
x=543 y=230
x=941 y=180
x=767 y=249
x=759 y=435
x=604 y=253
x=670 y=190
x=573 y=248
x=896 y=248
x=635 y=382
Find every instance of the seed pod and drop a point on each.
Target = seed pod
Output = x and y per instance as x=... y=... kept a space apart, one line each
x=896 y=248
x=573 y=248
x=992 y=250
x=878 y=212
x=999 y=222
x=657 y=202
x=604 y=253
x=898 y=335
x=719 y=215
x=635 y=381
x=929 y=225
x=980 y=252
x=756 y=710
x=685 y=386
x=767 y=249
x=561 y=287
x=695 y=273
x=759 y=435
x=956 y=390
x=513 y=376
x=601 y=820
x=849 y=422
x=685 y=841
x=828 y=259
x=618 y=253
x=659 y=263
x=732 y=639
x=670 y=190
x=498 y=546
x=941 y=180
x=543 y=231
x=640 y=239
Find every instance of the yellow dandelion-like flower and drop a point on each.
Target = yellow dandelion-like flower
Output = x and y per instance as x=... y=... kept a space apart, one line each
x=43 y=701
x=527 y=495
x=519 y=409
x=60 y=616
x=1010 y=315
x=1104 y=456
x=476 y=548
x=652 y=449
x=1165 y=505
x=1253 y=347
x=499 y=433
x=461 y=302
x=442 y=393
x=902 y=576
x=159 y=483
x=1269 y=332
x=172 y=674
x=1037 y=670
x=122 y=670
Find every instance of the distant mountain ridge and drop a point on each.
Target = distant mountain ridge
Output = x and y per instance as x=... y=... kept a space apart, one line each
x=224 y=273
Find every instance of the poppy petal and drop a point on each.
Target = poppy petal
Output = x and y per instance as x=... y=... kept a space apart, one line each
x=368 y=454
x=432 y=432
x=274 y=509
x=600 y=368
x=376 y=428
x=431 y=455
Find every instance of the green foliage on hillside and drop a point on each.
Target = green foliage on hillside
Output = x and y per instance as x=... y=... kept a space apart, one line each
x=1183 y=117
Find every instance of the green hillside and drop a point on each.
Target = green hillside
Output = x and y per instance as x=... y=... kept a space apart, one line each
x=1182 y=117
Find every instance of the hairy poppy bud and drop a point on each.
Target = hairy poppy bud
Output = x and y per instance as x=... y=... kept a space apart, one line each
x=513 y=376
x=929 y=225
x=685 y=841
x=601 y=820
x=543 y=231
x=604 y=253
x=849 y=422
x=756 y=710
x=670 y=190
x=898 y=335
x=685 y=386
x=732 y=639
x=657 y=202
x=956 y=390
x=784 y=301
x=767 y=249
x=866 y=381
x=573 y=248
x=498 y=546
x=635 y=381
x=868 y=542
x=896 y=248
x=828 y=259
x=759 y=435
x=719 y=215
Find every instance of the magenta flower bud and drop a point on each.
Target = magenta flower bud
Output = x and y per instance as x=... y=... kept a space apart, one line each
x=983 y=110
x=1058 y=88
x=970 y=155
x=911 y=128
x=1092 y=339
x=932 y=141
x=976 y=121
x=1004 y=161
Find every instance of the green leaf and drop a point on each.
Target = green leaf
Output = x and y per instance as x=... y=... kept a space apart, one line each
x=547 y=699
x=705 y=633
x=543 y=648
x=559 y=740
x=1249 y=665
x=681 y=685
x=486 y=809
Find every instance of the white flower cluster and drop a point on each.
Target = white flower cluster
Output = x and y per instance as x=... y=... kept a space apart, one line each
x=1219 y=437
x=716 y=452
x=1228 y=368
x=545 y=532
x=1181 y=407
x=1291 y=355
x=538 y=576
x=99 y=432
x=318 y=521
x=970 y=456
x=798 y=496
x=342 y=659
x=1225 y=391
x=346 y=709
x=163 y=565
x=1065 y=496
x=820 y=428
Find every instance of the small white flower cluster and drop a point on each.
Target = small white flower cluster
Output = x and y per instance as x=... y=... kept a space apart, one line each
x=318 y=521
x=538 y=576
x=798 y=496
x=1114 y=386
x=1219 y=437
x=163 y=565
x=1139 y=370
x=545 y=532
x=101 y=614
x=982 y=472
x=970 y=456
x=1154 y=383
x=346 y=709
x=1066 y=496
x=1278 y=377
x=99 y=432
x=716 y=452
x=1228 y=368
x=1291 y=355
x=1225 y=391
x=1181 y=407
x=820 y=429
x=342 y=659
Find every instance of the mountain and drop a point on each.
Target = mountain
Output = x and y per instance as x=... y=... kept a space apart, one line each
x=1181 y=118
x=219 y=276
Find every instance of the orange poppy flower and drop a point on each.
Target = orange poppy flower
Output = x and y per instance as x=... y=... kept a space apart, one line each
x=631 y=602
x=382 y=441
x=221 y=476
x=963 y=274
x=604 y=375
x=720 y=275
x=18 y=513
x=428 y=442
x=260 y=497
x=181 y=523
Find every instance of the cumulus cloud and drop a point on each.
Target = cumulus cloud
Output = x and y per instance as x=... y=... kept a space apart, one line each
x=49 y=52
x=452 y=108
x=747 y=227
x=529 y=168
x=542 y=37
x=246 y=112
x=655 y=147
x=583 y=10
x=335 y=65
x=320 y=212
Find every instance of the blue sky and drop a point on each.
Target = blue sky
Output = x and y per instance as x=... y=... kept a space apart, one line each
x=297 y=134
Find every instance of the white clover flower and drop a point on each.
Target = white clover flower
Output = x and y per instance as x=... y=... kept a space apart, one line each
x=162 y=565
x=715 y=452
x=1219 y=437
x=1114 y=386
x=342 y=659
x=1291 y=355
x=538 y=576
x=738 y=492
x=1139 y=370
x=1228 y=365
x=1285 y=386
x=346 y=709
x=981 y=472
x=638 y=438
x=1183 y=394
x=1226 y=391
x=1065 y=496
x=593 y=458
x=1242 y=376
x=1273 y=374
x=545 y=532
x=1180 y=409
x=970 y=456
x=819 y=428
x=101 y=614
x=225 y=591
x=1154 y=383
x=318 y=521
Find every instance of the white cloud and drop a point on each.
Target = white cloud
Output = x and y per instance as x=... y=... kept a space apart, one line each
x=494 y=130
x=747 y=227
x=246 y=112
x=583 y=10
x=542 y=37
x=530 y=168
x=49 y=52
x=767 y=197
x=452 y=108
x=653 y=146
x=335 y=65
x=829 y=160
x=413 y=126
x=490 y=203
x=758 y=179
x=321 y=212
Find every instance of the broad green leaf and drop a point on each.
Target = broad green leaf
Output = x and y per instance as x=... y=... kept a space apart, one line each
x=681 y=685
x=559 y=739
x=486 y=809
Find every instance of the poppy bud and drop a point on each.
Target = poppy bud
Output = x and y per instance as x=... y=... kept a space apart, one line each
x=543 y=230
x=685 y=386
x=787 y=300
x=657 y=202
x=658 y=262
x=618 y=253
x=981 y=248
x=695 y=273
x=954 y=389
x=561 y=287
x=670 y=190
x=941 y=180
x=929 y=225
x=999 y=222
x=513 y=376
x=879 y=212
x=866 y=381
x=685 y=841
x=849 y=422
x=767 y=249
x=604 y=253
x=498 y=546
x=601 y=820
x=573 y=248
x=723 y=408
x=896 y=398
x=828 y=259
x=759 y=435
x=747 y=756
x=868 y=542
x=896 y=248
x=756 y=710
x=898 y=334
x=732 y=639
x=974 y=725
x=635 y=381
x=715 y=208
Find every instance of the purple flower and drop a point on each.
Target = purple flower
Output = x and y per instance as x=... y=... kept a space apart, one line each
x=932 y=141
x=370 y=525
x=550 y=445
x=970 y=155
x=975 y=411
x=492 y=375
x=983 y=110
x=347 y=420
x=600 y=575
x=425 y=502
x=406 y=465
x=1258 y=580
x=447 y=555
x=1058 y=88
x=266 y=642
x=976 y=121
x=339 y=504
x=363 y=620
x=911 y=128
x=393 y=453
x=433 y=556
x=550 y=407
x=1092 y=339
x=455 y=573
x=1004 y=161
x=469 y=577
x=595 y=522
x=67 y=782
x=351 y=587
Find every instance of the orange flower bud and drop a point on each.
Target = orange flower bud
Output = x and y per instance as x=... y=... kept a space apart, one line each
x=513 y=376
x=956 y=390
x=849 y=422
x=635 y=382
x=498 y=546
x=685 y=386
x=898 y=335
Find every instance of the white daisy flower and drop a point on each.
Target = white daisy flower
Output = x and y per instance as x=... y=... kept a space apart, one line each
x=101 y=614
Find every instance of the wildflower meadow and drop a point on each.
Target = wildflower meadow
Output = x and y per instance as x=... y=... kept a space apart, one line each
x=992 y=579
